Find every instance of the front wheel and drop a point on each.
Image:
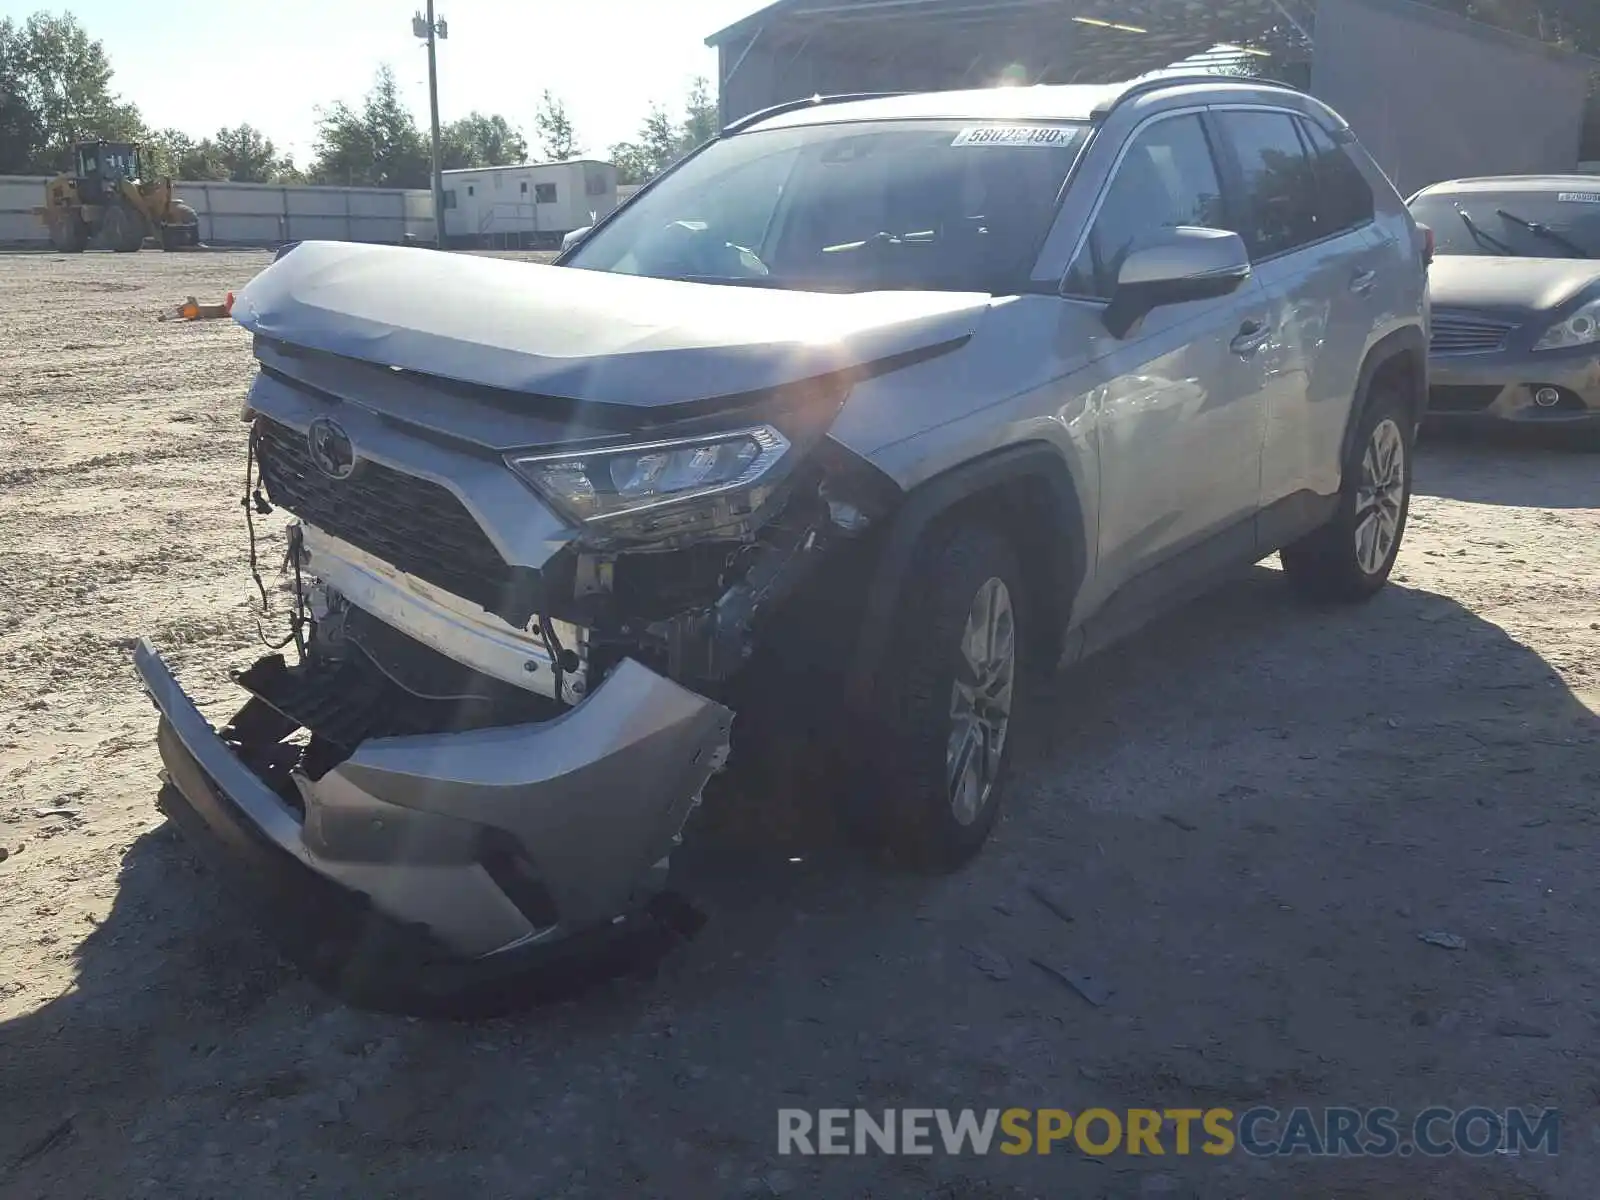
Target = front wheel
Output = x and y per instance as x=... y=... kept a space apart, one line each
x=1350 y=557
x=69 y=234
x=939 y=745
x=179 y=237
x=123 y=230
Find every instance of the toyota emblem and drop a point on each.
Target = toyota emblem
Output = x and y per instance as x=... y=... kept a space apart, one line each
x=331 y=451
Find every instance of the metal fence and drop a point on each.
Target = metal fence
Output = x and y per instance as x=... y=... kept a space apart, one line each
x=253 y=214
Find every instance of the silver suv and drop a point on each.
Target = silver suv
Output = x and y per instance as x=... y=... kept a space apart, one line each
x=847 y=423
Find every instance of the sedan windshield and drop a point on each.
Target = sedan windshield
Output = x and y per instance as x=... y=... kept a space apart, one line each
x=1519 y=224
x=926 y=205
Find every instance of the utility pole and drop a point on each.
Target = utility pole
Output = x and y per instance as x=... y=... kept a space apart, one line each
x=434 y=31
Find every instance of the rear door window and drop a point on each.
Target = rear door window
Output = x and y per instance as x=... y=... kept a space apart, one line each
x=1344 y=198
x=1278 y=180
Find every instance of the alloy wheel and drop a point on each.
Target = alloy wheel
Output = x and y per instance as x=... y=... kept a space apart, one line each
x=1380 y=496
x=980 y=700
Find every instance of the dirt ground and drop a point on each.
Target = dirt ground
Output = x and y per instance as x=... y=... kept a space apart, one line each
x=1249 y=816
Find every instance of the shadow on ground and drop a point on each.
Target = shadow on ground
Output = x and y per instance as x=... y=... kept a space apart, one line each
x=1511 y=466
x=1236 y=827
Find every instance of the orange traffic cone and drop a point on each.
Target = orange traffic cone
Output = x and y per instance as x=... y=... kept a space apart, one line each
x=192 y=310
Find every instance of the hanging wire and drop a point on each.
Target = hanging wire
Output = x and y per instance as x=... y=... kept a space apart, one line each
x=255 y=502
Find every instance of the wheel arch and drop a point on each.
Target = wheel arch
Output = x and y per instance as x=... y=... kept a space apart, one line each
x=1400 y=358
x=1010 y=489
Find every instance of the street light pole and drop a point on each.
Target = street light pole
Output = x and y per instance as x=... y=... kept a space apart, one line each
x=434 y=31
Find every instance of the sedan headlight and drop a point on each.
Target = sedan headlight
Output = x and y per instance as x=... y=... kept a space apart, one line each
x=1582 y=328
x=656 y=491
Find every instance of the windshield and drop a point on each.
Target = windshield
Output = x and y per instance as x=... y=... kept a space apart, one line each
x=1521 y=224
x=928 y=205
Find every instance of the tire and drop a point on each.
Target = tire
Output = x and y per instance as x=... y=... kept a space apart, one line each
x=961 y=573
x=179 y=237
x=1349 y=559
x=121 y=231
x=68 y=234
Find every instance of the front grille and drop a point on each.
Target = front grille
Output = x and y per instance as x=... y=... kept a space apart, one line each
x=410 y=523
x=1468 y=333
x=1460 y=397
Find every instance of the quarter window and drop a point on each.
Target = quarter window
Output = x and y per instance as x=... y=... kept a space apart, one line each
x=1344 y=199
x=1280 y=186
x=1167 y=178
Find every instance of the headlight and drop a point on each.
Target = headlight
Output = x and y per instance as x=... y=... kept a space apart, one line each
x=1582 y=328
x=655 y=491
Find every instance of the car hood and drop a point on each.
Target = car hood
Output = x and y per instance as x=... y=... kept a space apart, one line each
x=580 y=335
x=1524 y=284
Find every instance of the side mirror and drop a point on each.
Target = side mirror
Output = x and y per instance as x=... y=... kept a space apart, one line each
x=1182 y=264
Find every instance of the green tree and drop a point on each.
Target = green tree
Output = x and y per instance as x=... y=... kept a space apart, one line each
x=19 y=131
x=174 y=153
x=477 y=140
x=378 y=145
x=558 y=137
x=55 y=91
x=662 y=141
x=633 y=166
x=701 y=118
x=247 y=155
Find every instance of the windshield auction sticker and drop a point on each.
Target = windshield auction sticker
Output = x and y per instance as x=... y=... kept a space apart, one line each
x=1014 y=135
x=1565 y=197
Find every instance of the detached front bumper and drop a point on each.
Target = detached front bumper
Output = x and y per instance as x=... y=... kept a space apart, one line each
x=468 y=847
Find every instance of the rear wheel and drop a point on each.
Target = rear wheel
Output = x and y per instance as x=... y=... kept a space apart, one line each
x=1351 y=556
x=940 y=745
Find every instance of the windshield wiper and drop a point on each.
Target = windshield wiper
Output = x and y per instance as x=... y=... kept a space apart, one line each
x=1484 y=239
x=1539 y=229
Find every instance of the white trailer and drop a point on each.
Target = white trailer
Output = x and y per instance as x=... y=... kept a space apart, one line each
x=530 y=204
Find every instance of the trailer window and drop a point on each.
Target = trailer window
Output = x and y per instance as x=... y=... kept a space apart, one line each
x=544 y=193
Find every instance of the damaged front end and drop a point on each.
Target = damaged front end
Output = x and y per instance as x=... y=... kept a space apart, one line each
x=517 y=639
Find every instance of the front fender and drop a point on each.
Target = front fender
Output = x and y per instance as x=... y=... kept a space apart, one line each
x=1056 y=566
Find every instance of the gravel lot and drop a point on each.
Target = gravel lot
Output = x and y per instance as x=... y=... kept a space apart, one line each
x=1249 y=815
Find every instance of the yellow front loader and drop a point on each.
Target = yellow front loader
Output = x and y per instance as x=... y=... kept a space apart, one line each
x=109 y=204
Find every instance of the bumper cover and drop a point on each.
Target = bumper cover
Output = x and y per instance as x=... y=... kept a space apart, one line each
x=423 y=831
x=1501 y=386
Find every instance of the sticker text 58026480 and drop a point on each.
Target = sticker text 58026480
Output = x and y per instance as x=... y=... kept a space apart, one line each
x=1014 y=135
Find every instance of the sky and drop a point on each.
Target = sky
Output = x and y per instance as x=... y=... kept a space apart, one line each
x=199 y=65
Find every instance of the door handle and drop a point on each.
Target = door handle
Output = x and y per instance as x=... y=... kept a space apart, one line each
x=1252 y=336
x=1361 y=283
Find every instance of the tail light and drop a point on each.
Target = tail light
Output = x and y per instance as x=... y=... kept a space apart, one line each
x=1427 y=245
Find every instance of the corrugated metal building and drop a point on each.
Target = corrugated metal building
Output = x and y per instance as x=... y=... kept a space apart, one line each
x=528 y=204
x=1432 y=95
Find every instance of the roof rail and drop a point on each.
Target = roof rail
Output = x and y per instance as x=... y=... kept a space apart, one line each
x=1143 y=87
x=777 y=110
